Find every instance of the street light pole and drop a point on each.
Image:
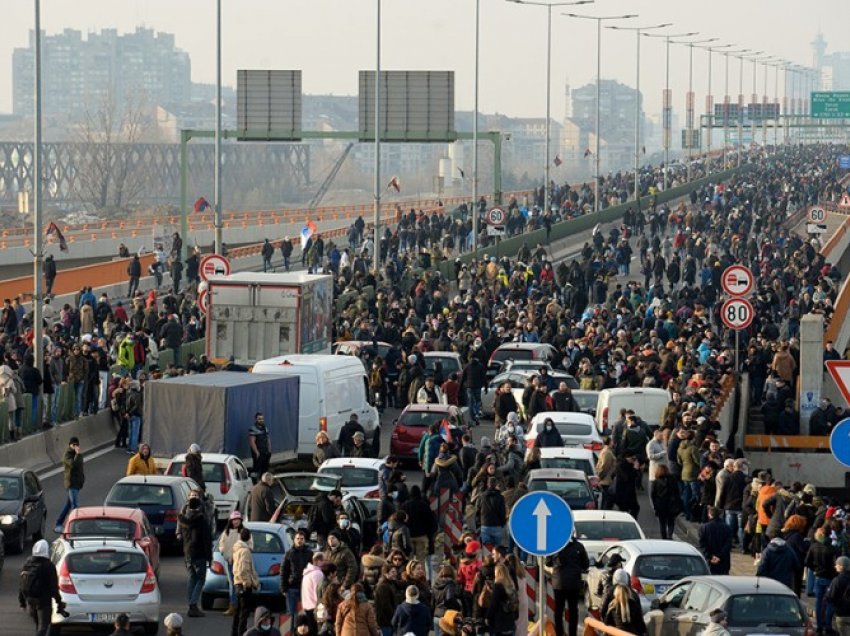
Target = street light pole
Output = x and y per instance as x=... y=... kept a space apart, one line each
x=741 y=102
x=376 y=248
x=219 y=226
x=689 y=101
x=638 y=31
x=599 y=20
x=709 y=107
x=667 y=104
x=37 y=320
x=474 y=206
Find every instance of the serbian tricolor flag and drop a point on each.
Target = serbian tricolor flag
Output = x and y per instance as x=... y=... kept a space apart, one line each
x=54 y=229
x=307 y=231
x=557 y=161
x=446 y=430
x=394 y=184
x=588 y=152
x=201 y=205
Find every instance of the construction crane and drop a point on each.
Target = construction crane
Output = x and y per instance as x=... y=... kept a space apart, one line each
x=326 y=184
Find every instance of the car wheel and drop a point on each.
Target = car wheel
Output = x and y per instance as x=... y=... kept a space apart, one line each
x=207 y=601
x=151 y=628
x=38 y=535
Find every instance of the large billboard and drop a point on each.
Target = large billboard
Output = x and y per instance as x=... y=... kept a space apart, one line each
x=268 y=105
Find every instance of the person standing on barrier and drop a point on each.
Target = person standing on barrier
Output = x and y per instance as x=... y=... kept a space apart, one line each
x=74 y=480
x=260 y=444
x=566 y=569
x=134 y=272
x=286 y=252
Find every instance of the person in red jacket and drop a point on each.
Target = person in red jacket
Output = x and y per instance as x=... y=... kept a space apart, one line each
x=451 y=389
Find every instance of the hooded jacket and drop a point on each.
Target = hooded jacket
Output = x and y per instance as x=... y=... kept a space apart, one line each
x=413 y=618
x=243 y=566
x=295 y=562
x=140 y=466
x=45 y=573
x=448 y=474
x=310 y=582
x=196 y=533
x=491 y=509
x=193 y=469
x=388 y=596
x=779 y=562
x=356 y=617
x=259 y=614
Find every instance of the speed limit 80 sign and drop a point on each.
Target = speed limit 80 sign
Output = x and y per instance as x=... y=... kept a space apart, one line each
x=496 y=216
x=737 y=313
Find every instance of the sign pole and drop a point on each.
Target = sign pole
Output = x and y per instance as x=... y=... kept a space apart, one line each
x=541 y=597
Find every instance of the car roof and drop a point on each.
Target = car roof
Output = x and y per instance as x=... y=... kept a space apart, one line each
x=636 y=391
x=659 y=546
x=265 y=526
x=602 y=515
x=745 y=584
x=556 y=473
x=358 y=462
x=107 y=512
x=437 y=408
x=562 y=417
x=522 y=345
x=361 y=343
x=321 y=362
x=156 y=480
x=441 y=354
x=207 y=458
x=570 y=452
x=11 y=471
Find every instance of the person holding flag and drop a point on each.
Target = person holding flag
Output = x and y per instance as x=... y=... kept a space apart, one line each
x=52 y=230
x=307 y=233
x=395 y=184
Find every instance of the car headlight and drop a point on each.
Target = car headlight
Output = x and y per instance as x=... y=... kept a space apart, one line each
x=8 y=520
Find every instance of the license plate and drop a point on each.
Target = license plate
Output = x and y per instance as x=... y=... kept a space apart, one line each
x=103 y=617
x=660 y=589
x=648 y=588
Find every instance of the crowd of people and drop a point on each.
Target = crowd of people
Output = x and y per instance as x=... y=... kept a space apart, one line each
x=611 y=327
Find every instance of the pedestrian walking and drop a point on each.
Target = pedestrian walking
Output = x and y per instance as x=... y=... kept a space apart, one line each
x=74 y=480
x=39 y=588
x=260 y=444
x=228 y=538
x=245 y=580
x=295 y=562
x=567 y=568
x=196 y=534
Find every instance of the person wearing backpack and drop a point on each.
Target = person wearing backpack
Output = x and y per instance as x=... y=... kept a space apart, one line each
x=39 y=587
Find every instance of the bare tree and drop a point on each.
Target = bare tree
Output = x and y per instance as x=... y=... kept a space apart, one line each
x=111 y=170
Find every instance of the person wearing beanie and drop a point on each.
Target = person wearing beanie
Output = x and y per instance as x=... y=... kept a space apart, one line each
x=263 y=623
x=838 y=593
x=228 y=538
x=412 y=616
x=173 y=625
x=193 y=466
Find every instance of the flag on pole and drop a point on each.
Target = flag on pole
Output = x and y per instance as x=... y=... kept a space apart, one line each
x=557 y=161
x=394 y=183
x=201 y=204
x=54 y=229
x=643 y=149
x=587 y=152
x=462 y=173
x=446 y=430
x=307 y=232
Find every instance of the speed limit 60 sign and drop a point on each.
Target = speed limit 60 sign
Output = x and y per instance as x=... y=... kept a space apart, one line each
x=496 y=216
x=737 y=313
x=816 y=215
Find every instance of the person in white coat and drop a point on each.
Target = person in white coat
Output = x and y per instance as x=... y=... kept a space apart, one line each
x=656 y=453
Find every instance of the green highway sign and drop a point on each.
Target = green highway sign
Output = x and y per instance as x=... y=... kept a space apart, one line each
x=831 y=104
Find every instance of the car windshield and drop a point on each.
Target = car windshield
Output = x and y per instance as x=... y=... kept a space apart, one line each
x=449 y=364
x=669 y=567
x=307 y=484
x=607 y=530
x=102 y=527
x=422 y=418
x=266 y=543
x=568 y=463
x=213 y=473
x=107 y=562
x=566 y=488
x=353 y=476
x=586 y=402
x=511 y=354
x=570 y=429
x=10 y=488
x=133 y=495
x=751 y=610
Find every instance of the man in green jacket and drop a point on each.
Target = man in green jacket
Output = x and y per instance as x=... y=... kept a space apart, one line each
x=74 y=479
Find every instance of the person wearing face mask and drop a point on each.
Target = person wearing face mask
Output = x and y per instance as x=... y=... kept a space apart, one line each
x=264 y=624
x=348 y=534
x=511 y=427
x=549 y=437
x=142 y=463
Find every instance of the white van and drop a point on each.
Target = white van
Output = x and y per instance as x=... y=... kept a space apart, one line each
x=648 y=404
x=332 y=388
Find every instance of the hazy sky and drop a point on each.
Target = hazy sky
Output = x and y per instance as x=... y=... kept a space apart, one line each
x=330 y=40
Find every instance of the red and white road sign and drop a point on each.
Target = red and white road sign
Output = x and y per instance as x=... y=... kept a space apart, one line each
x=496 y=216
x=816 y=215
x=204 y=301
x=840 y=372
x=737 y=313
x=737 y=280
x=214 y=265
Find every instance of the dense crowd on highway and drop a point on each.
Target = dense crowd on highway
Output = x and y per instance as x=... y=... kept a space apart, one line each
x=638 y=307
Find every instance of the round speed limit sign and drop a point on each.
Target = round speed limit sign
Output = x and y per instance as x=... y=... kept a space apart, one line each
x=816 y=215
x=737 y=313
x=496 y=216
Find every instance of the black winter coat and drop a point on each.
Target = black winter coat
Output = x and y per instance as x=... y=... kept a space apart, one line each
x=491 y=509
x=779 y=562
x=196 y=533
x=715 y=540
x=665 y=497
x=821 y=559
x=294 y=562
x=569 y=564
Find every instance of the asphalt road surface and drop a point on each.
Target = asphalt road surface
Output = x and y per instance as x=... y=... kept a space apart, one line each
x=103 y=468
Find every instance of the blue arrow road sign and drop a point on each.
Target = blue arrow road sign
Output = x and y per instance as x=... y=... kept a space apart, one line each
x=541 y=523
x=839 y=442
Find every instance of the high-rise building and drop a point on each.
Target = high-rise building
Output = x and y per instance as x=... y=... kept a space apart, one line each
x=616 y=124
x=834 y=67
x=82 y=73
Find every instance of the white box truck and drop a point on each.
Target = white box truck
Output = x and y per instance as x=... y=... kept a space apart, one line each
x=254 y=316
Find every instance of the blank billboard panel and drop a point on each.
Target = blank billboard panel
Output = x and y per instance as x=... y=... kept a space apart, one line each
x=268 y=105
x=415 y=106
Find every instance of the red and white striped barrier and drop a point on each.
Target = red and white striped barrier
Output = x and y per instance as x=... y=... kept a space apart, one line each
x=286 y=626
x=531 y=586
x=448 y=507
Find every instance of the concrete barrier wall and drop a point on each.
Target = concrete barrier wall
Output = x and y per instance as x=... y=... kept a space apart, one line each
x=45 y=449
x=809 y=468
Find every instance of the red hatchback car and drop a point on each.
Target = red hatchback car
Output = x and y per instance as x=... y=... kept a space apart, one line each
x=117 y=522
x=414 y=421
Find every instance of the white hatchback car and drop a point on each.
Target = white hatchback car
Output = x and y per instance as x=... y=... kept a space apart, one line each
x=598 y=530
x=226 y=478
x=359 y=475
x=653 y=565
x=576 y=429
x=102 y=578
